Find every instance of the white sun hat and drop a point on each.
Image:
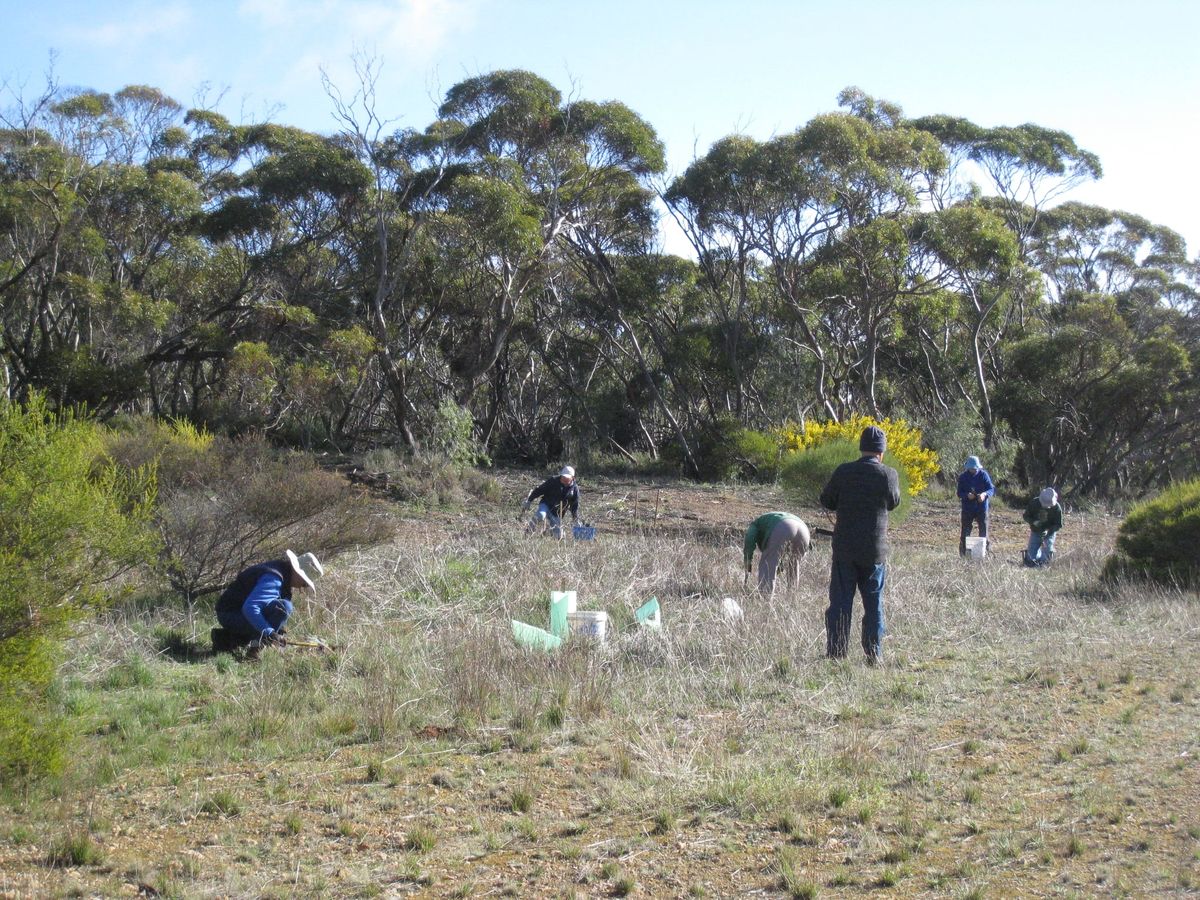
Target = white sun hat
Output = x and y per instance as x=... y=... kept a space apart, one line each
x=567 y=472
x=307 y=567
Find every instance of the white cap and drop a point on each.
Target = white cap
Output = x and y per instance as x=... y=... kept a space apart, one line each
x=1048 y=497
x=307 y=567
x=567 y=472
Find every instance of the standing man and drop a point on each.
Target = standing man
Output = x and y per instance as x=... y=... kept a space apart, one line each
x=557 y=496
x=253 y=609
x=1044 y=516
x=975 y=488
x=861 y=493
x=774 y=534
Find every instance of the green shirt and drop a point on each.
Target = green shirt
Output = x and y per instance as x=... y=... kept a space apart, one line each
x=1041 y=519
x=760 y=530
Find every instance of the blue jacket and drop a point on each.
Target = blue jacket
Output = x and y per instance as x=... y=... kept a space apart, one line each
x=256 y=588
x=978 y=482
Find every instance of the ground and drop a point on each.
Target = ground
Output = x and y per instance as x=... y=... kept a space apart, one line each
x=1032 y=733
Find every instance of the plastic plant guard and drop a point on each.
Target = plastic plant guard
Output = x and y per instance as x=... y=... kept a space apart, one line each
x=561 y=603
x=732 y=609
x=649 y=614
x=537 y=638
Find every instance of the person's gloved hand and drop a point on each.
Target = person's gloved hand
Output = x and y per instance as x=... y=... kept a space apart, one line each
x=274 y=639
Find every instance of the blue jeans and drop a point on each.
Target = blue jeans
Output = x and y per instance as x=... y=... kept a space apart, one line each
x=969 y=519
x=545 y=517
x=844 y=578
x=1041 y=548
x=275 y=613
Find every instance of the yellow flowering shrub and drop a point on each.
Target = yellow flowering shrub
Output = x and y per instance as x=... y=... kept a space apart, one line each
x=903 y=443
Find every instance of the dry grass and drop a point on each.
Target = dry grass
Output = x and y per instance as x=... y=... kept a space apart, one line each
x=1030 y=733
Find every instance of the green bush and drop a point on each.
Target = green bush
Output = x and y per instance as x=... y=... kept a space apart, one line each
x=70 y=523
x=760 y=454
x=715 y=450
x=804 y=473
x=1159 y=537
x=452 y=437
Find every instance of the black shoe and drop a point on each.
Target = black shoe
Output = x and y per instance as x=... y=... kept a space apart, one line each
x=874 y=658
x=223 y=641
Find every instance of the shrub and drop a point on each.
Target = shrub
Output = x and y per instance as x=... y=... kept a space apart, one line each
x=452 y=437
x=760 y=453
x=70 y=522
x=1158 y=538
x=805 y=473
x=224 y=503
x=903 y=445
x=74 y=849
x=714 y=448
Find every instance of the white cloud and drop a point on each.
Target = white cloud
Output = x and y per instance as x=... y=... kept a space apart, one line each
x=298 y=39
x=414 y=30
x=133 y=27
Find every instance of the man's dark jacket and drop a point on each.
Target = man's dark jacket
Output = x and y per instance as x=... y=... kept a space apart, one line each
x=862 y=493
x=557 y=496
x=1043 y=519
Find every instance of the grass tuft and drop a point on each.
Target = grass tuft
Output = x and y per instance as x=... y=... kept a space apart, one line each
x=74 y=849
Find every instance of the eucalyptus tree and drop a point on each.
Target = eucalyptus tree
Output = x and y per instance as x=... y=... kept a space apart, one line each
x=538 y=183
x=1099 y=409
x=1107 y=396
x=1085 y=250
x=97 y=223
x=826 y=209
x=1026 y=167
x=271 y=197
x=714 y=202
x=969 y=251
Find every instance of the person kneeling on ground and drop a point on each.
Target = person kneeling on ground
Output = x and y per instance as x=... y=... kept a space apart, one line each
x=974 y=490
x=775 y=534
x=557 y=495
x=1044 y=516
x=253 y=609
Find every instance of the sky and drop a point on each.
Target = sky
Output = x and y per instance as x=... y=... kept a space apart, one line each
x=1122 y=78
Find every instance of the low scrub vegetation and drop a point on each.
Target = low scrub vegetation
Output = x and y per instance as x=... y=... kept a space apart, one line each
x=225 y=502
x=715 y=756
x=1159 y=539
x=70 y=523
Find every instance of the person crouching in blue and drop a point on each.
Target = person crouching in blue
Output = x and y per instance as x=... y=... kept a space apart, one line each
x=253 y=609
x=975 y=488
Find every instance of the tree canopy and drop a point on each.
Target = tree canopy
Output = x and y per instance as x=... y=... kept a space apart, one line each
x=334 y=290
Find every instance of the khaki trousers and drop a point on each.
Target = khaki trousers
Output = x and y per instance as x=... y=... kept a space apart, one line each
x=788 y=542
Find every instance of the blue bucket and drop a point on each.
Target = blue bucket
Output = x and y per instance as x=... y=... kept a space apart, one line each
x=584 y=532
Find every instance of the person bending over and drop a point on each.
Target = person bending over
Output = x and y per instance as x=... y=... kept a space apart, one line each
x=252 y=611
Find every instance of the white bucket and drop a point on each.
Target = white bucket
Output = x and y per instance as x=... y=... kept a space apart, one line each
x=977 y=547
x=588 y=623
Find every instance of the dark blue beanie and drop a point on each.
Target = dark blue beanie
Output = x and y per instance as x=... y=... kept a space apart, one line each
x=873 y=440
